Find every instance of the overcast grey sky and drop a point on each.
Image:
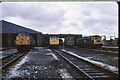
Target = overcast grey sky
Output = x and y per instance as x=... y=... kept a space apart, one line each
x=87 y=18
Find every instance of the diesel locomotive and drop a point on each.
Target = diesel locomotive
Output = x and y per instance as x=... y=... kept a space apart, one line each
x=90 y=42
x=53 y=41
x=24 y=42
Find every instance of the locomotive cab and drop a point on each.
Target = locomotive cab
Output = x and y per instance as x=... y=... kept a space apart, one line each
x=97 y=41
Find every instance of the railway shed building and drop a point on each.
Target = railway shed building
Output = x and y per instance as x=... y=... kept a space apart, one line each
x=9 y=31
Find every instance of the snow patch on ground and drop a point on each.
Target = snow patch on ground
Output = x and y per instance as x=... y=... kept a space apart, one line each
x=38 y=68
x=38 y=47
x=89 y=57
x=54 y=56
x=116 y=58
x=64 y=74
x=14 y=71
x=8 y=52
x=49 y=50
x=1 y=52
x=1 y=55
x=112 y=68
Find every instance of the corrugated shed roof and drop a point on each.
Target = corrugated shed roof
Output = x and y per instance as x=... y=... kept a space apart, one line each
x=8 y=27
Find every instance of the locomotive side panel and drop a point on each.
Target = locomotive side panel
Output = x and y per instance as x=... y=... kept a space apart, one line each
x=84 y=42
x=69 y=41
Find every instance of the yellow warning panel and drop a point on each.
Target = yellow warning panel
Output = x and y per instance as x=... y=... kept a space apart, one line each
x=54 y=40
x=22 y=40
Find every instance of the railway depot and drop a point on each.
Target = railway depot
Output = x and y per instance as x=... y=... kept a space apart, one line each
x=59 y=40
x=45 y=62
x=11 y=30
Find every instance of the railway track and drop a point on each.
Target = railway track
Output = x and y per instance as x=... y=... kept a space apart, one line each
x=100 y=50
x=105 y=51
x=9 y=59
x=2 y=49
x=4 y=57
x=89 y=70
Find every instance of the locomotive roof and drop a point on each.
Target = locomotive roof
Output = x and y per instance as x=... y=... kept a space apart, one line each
x=27 y=34
x=8 y=27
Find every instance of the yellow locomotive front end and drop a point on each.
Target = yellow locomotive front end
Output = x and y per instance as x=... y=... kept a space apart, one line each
x=97 y=41
x=23 y=42
x=54 y=41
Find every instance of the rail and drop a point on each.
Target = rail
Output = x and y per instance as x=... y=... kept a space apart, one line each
x=7 y=60
x=92 y=71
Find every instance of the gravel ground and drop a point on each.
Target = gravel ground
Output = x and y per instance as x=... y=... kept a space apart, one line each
x=109 y=59
x=36 y=64
x=40 y=63
x=7 y=52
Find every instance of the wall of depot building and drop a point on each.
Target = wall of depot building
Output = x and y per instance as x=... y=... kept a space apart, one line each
x=0 y=40
x=8 y=39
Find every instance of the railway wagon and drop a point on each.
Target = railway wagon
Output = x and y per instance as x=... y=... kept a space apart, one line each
x=69 y=41
x=53 y=41
x=90 y=42
x=24 y=42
